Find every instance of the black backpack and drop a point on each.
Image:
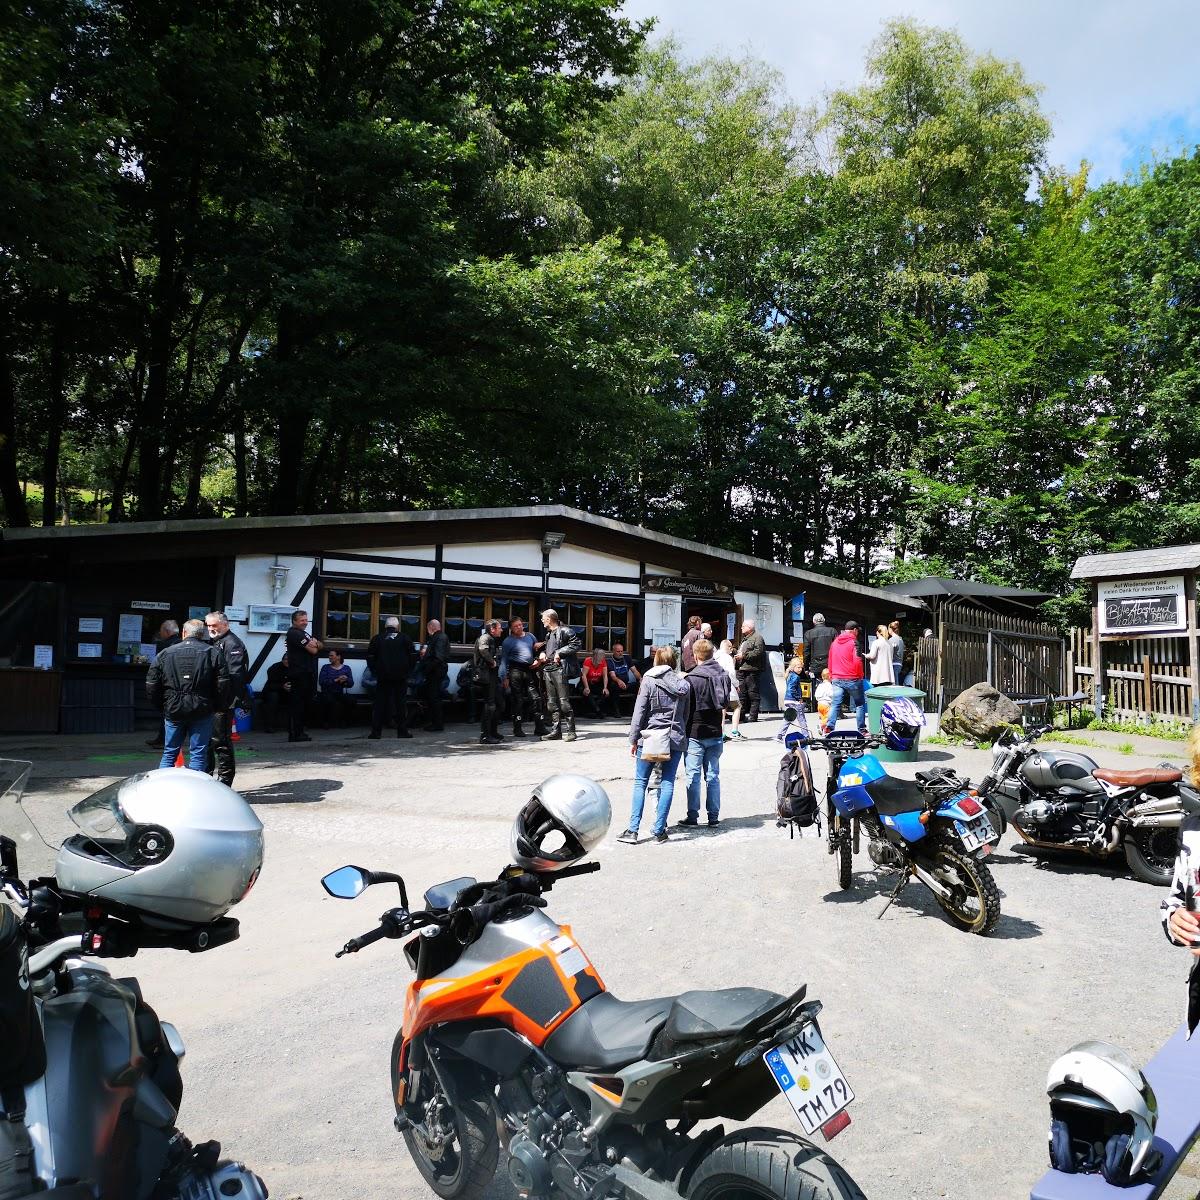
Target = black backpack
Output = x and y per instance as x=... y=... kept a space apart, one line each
x=795 y=796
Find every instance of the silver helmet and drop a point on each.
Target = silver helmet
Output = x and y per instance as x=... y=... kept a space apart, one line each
x=170 y=843
x=566 y=816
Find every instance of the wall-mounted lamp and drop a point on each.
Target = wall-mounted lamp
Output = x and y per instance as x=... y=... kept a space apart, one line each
x=278 y=575
x=552 y=541
x=666 y=611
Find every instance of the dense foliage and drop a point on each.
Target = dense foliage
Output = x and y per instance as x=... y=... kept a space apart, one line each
x=276 y=258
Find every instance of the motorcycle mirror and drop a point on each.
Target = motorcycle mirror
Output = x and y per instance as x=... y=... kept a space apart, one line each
x=347 y=883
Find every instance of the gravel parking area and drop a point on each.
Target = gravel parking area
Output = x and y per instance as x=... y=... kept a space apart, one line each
x=945 y=1037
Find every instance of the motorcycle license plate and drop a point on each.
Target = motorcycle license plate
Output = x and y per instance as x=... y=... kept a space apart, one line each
x=810 y=1080
x=976 y=833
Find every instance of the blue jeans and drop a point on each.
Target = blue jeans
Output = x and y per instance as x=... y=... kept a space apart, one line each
x=852 y=690
x=703 y=754
x=665 y=792
x=197 y=731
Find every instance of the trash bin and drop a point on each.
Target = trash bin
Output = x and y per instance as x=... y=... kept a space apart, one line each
x=875 y=701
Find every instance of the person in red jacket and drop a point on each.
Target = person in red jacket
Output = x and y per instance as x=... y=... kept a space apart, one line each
x=845 y=665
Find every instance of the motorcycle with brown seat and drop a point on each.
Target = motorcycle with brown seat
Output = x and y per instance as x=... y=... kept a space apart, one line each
x=510 y=1036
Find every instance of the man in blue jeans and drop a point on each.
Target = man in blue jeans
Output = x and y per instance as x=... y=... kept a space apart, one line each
x=708 y=686
x=845 y=665
x=188 y=683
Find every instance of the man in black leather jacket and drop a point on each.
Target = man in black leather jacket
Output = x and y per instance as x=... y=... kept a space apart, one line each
x=435 y=658
x=560 y=650
x=233 y=650
x=390 y=655
x=187 y=683
x=487 y=664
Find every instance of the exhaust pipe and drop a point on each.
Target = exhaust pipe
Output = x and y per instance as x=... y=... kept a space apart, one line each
x=934 y=885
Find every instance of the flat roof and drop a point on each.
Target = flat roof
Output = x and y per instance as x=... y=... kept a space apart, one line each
x=1137 y=562
x=936 y=585
x=230 y=535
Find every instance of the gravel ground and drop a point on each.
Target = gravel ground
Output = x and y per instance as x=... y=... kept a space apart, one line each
x=945 y=1037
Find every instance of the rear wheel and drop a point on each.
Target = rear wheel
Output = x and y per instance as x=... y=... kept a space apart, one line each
x=454 y=1147
x=974 y=902
x=1150 y=854
x=767 y=1164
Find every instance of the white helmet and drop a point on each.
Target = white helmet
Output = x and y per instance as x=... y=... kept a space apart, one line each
x=1102 y=1114
x=170 y=843
x=566 y=816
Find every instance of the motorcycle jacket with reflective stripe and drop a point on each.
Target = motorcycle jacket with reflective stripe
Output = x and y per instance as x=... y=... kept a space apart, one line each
x=189 y=680
x=233 y=650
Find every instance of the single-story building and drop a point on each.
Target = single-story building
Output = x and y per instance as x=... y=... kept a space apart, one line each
x=88 y=599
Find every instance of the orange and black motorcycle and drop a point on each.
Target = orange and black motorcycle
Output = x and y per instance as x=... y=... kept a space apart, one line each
x=509 y=1035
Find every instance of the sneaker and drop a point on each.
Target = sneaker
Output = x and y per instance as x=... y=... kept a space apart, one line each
x=688 y=821
x=733 y=733
x=629 y=837
x=662 y=837
x=713 y=822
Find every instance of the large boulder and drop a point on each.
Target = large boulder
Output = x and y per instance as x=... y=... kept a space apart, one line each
x=980 y=714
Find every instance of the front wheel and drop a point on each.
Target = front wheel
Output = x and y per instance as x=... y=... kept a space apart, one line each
x=974 y=902
x=768 y=1164
x=1150 y=854
x=845 y=861
x=455 y=1147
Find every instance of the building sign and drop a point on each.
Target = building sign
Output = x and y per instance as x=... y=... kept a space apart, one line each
x=151 y=605
x=1142 y=605
x=697 y=589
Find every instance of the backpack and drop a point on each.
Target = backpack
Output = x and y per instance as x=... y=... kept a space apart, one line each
x=795 y=795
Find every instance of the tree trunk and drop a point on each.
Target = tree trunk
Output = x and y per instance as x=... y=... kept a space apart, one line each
x=285 y=495
x=10 y=486
x=56 y=413
x=239 y=459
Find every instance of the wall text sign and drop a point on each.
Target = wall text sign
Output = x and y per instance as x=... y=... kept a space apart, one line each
x=1142 y=605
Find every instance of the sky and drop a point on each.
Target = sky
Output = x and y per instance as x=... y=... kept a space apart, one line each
x=1121 y=78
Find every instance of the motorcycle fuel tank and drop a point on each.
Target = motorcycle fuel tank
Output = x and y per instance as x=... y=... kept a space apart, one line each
x=1051 y=770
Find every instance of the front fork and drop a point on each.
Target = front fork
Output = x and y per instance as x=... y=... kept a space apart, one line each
x=840 y=828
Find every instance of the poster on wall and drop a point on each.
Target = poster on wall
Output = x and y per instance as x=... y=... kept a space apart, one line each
x=89 y=650
x=270 y=618
x=662 y=637
x=1131 y=606
x=43 y=657
x=731 y=626
x=129 y=632
x=91 y=624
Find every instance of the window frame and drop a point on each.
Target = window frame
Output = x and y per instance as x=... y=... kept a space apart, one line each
x=376 y=588
x=587 y=637
x=488 y=596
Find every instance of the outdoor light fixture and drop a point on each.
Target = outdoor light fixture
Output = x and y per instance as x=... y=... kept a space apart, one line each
x=278 y=575
x=552 y=541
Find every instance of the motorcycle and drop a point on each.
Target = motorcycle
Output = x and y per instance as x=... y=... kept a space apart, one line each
x=932 y=829
x=510 y=1036
x=1063 y=800
x=90 y=1084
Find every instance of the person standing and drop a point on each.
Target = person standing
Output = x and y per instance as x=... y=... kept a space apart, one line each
x=333 y=686
x=897 y=644
x=487 y=668
x=390 y=656
x=846 y=671
x=560 y=645
x=708 y=693
x=189 y=682
x=516 y=671
x=302 y=650
x=751 y=658
x=723 y=657
x=168 y=635
x=880 y=658
x=436 y=660
x=233 y=650
x=661 y=707
x=817 y=641
x=689 y=641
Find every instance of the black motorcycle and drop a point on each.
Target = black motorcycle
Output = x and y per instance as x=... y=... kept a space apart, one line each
x=1063 y=800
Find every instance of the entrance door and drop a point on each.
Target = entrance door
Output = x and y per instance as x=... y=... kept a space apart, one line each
x=717 y=614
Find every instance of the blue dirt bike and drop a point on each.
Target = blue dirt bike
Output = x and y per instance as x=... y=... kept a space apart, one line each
x=932 y=828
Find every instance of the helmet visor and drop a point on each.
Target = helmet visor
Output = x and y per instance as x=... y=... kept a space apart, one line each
x=106 y=826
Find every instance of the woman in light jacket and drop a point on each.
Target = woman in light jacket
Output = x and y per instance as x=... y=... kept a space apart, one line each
x=880 y=658
x=662 y=705
x=1181 y=922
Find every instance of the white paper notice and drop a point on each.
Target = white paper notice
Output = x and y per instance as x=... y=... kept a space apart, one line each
x=90 y=650
x=129 y=629
x=91 y=624
x=43 y=657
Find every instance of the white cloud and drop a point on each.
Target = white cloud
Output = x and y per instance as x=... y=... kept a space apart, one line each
x=1120 y=78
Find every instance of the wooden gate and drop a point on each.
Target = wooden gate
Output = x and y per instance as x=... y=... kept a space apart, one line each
x=1143 y=677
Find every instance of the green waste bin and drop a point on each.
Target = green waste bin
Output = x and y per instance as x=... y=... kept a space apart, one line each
x=875 y=701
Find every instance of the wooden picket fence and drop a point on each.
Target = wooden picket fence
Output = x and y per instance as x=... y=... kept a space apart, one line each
x=1143 y=677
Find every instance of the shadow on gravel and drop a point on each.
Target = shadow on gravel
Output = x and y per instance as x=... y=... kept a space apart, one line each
x=1063 y=862
x=292 y=791
x=934 y=756
x=917 y=898
x=687 y=832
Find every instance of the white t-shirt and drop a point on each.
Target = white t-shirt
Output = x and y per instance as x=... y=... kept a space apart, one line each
x=824 y=692
x=729 y=667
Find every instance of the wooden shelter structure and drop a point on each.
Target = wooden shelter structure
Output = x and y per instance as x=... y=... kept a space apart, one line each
x=1141 y=655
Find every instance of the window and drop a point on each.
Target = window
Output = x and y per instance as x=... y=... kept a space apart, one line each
x=598 y=622
x=356 y=614
x=465 y=615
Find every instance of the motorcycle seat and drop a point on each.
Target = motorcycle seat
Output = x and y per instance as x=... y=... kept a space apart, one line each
x=703 y=1016
x=1142 y=777
x=607 y=1033
x=893 y=796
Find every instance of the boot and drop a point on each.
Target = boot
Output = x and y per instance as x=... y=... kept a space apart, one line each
x=539 y=727
x=569 y=732
x=555 y=732
x=486 y=739
x=517 y=730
